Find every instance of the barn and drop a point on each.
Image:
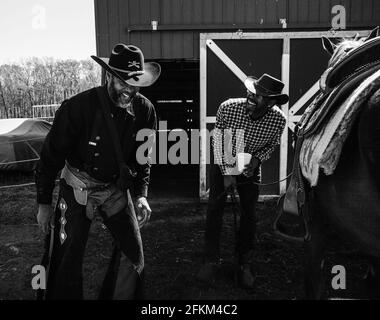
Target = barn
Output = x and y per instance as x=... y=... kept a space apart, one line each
x=206 y=48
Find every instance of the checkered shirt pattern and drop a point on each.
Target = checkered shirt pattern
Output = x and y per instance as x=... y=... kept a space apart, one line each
x=235 y=131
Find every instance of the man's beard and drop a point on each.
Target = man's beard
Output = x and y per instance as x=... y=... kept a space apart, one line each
x=251 y=109
x=120 y=99
x=257 y=111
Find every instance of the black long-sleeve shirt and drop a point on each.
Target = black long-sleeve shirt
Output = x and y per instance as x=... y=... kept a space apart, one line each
x=80 y=136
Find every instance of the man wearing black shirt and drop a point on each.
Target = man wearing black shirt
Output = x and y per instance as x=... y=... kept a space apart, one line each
x=79 y=145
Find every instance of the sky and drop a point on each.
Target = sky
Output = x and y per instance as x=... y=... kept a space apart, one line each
x=46 y=28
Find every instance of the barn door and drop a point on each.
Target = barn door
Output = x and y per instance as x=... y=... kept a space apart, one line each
x=226 y=59
x=225 y=64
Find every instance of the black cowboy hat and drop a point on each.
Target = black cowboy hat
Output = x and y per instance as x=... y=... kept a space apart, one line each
x=267 y=86
x=127 y=63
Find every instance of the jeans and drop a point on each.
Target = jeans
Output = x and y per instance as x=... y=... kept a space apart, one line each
x=248 y=194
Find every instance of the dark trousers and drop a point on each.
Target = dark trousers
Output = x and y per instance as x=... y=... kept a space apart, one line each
x=71 y=229
x=248 y=194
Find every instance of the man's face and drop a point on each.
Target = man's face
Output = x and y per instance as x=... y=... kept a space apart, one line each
x=120 y=92
x=257 y=106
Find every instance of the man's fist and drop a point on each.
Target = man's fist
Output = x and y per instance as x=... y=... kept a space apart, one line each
x=250 y=168
x=229 y=182
x=45 y=212
x=143 y=211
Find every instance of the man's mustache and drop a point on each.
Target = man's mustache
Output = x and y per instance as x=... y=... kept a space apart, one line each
x=251 y=107
x=126 y=95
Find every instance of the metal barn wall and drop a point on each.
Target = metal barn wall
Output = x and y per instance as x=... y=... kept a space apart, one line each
x=181 y=21
x=313 y=14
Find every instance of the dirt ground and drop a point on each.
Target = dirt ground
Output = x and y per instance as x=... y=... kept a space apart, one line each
x=172 y=242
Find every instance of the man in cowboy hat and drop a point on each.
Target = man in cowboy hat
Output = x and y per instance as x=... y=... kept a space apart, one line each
x=97 y=176
x=253 y=125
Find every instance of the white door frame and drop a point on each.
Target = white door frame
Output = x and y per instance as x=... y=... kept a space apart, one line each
x=206 y=42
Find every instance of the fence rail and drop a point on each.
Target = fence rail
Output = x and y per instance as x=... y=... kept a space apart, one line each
x=16 y=112
x=46 y=112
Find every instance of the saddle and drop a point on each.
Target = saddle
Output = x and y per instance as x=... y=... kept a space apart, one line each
x=362 y=56
x=340 y=82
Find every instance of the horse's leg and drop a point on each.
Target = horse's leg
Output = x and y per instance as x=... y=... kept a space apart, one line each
x=314 y=251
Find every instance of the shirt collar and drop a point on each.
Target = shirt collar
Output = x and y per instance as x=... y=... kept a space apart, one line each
x=130 y=110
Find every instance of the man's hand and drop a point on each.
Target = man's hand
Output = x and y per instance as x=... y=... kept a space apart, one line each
x=250 y=168
x=229 y=182
x=45 y=212
x=143 y=211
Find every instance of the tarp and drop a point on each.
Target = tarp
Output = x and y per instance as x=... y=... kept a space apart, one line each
x=21 y=143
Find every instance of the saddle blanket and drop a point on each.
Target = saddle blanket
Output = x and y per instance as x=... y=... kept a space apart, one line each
x=322 y=149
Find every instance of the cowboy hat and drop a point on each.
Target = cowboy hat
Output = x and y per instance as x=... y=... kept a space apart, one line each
x=267 y=86
x=127 y=63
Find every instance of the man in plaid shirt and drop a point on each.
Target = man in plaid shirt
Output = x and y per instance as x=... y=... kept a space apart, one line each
x=252 y=125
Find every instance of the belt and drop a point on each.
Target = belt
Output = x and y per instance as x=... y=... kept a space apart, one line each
x=80 y=187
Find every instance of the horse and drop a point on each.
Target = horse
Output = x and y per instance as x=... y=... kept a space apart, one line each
x=348 y=201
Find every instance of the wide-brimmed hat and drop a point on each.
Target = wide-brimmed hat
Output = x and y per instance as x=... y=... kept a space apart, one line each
x=127 y=63
x=267 y=86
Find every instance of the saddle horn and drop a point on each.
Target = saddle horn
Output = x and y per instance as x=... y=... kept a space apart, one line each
x=373 y=34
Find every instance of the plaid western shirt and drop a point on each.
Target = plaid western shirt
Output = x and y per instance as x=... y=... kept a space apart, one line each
x=235 y=131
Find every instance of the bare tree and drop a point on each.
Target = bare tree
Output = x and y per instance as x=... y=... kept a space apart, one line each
x=43 y=81
x=4 y=104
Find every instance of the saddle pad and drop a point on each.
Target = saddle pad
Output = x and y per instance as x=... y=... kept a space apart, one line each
x=322 y=150
x=324 y=104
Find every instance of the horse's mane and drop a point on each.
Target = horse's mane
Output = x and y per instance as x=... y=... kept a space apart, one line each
x=342 y=48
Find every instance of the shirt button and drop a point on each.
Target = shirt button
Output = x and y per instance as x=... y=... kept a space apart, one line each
x=97 y=138
x=97 y=154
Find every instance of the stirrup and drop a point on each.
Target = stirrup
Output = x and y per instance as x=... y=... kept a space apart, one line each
x=277 y=230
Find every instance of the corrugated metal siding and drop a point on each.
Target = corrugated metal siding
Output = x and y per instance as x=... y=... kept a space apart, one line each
x=317 y=13
x=181 y=21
